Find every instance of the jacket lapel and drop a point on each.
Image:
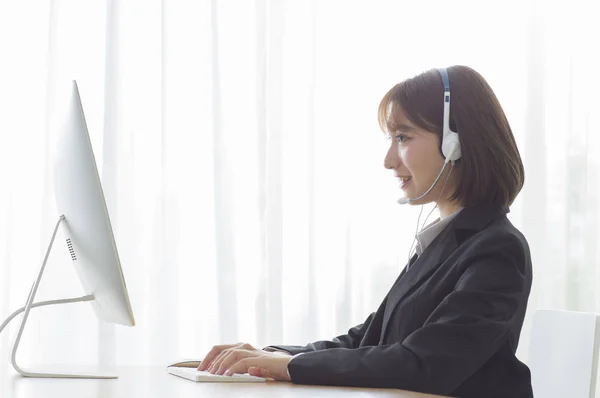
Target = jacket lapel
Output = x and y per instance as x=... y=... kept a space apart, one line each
x=419 y=270
x=468 y=222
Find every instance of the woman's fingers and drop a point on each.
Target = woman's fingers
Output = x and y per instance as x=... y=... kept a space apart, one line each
x=216 y=363
x=233 y=356
x=213 y=354
x=213 y=362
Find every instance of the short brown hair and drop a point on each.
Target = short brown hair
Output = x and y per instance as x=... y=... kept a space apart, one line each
x=490 y=169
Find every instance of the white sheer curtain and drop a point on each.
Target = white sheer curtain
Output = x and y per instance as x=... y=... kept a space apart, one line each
x=242 y=163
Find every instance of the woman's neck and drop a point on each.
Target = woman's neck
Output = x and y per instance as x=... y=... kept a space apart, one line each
x=448 y=208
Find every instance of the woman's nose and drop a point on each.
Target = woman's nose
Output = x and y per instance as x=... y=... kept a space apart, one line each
x=391 y=160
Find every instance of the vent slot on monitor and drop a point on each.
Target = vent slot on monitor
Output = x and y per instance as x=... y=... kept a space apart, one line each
x=71 y=250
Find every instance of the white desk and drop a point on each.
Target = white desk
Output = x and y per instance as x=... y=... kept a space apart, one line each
x=155 y=382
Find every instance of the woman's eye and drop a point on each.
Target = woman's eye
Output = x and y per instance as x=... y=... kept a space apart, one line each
x=401 y=138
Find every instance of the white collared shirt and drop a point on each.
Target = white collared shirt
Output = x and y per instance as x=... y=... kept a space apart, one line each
x=430 y=232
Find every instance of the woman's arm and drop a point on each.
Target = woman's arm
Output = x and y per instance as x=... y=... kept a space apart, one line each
x=350 y=340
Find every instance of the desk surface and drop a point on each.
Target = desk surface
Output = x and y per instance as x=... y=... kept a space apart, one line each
x=155 y=382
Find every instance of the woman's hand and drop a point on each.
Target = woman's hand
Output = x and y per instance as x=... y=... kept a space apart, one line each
x=223 y=357
x=271 y=365
x=218 y=353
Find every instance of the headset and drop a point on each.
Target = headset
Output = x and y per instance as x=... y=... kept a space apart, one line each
x=450 y=141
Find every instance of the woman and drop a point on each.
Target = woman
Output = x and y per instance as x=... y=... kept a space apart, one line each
x=451 y=322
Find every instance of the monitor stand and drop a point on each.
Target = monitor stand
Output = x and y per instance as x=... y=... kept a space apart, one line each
x=51 y=372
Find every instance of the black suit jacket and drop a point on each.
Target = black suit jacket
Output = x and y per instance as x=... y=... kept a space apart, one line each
x=450 y=324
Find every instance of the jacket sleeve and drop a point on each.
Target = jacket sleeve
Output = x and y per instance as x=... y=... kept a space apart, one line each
x=462 y=333
x=350 y=340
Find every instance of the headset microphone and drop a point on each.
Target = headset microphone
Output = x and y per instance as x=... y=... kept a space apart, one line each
x=403 y=201
x=450 y=141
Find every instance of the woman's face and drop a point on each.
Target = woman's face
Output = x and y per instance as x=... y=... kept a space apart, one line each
x=415 y=158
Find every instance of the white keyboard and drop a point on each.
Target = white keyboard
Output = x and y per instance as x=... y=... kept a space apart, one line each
x=203 y=376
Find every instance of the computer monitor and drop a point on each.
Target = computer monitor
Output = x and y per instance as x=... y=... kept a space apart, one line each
x=87 y=227
x=87 y=230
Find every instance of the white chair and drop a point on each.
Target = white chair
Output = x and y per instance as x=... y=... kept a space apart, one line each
x=563 y=354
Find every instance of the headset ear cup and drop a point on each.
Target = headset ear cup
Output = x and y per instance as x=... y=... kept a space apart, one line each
x=451 y=142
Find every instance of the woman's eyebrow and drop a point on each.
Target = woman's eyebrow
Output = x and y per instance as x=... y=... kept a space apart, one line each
x=405 y=128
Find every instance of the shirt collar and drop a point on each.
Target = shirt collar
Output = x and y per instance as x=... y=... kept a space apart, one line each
x=431 y=231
